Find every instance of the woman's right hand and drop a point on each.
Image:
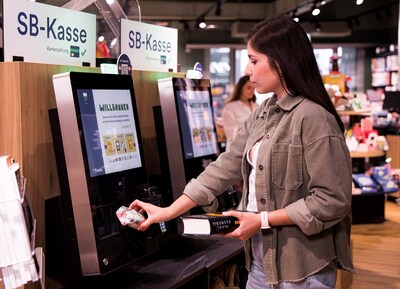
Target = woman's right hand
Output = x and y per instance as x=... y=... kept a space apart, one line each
x=154 y=213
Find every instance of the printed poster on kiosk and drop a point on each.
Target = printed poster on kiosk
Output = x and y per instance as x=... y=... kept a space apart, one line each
x=109 y=130
x=197 y=125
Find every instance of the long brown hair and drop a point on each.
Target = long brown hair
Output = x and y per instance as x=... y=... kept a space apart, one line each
x=291 y=55
x=237 y=91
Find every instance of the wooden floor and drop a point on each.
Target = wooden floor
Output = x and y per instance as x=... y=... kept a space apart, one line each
x=376 y=252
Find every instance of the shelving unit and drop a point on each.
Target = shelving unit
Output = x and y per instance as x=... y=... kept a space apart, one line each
x=384 y=69
x=368 y=154
x=367 y=208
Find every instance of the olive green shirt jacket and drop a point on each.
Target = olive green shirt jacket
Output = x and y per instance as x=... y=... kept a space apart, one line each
x=304 y=166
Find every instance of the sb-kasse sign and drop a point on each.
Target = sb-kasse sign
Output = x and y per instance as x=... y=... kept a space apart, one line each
x=149 y=47
x=48 y=34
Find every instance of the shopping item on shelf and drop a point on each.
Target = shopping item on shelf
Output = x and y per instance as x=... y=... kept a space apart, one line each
x=365 y=183
x=382 y=176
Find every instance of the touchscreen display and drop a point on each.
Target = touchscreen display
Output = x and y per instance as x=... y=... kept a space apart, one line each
x=197 y=123
x=109 y=130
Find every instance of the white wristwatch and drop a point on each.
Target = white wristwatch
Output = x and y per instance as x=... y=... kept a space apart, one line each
x=264 y=221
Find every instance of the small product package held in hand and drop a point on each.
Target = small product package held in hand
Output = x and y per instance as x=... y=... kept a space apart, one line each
x=129 y=217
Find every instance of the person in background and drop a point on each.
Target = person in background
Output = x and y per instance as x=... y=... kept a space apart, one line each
x=296 y=167
x=238 y=106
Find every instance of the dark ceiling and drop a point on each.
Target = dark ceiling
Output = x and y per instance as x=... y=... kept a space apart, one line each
x=340 y=21
x=375 y=21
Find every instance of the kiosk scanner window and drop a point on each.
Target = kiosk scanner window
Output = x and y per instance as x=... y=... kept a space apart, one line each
x=100 y=162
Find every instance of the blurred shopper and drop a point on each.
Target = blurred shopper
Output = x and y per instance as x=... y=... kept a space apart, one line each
x=238 y=107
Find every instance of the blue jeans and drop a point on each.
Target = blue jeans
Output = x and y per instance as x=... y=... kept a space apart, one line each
x=324 y=279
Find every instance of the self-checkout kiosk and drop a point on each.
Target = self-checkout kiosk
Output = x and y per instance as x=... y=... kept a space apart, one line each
x=100 y=162
x=188 y=132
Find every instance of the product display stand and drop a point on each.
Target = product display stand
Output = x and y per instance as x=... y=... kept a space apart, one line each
x=17 y=260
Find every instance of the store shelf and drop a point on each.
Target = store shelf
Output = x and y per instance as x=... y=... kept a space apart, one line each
x=368 y=154
x=354 y=113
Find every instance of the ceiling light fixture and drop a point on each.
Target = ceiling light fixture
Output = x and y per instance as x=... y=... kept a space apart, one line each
x=201 y=22
x=315 y=9
x=294 y=16
x=113 y=42
x=359 y=2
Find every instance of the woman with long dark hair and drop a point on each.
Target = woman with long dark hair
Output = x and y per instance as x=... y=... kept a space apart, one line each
x=238 y=107
x=296 y=167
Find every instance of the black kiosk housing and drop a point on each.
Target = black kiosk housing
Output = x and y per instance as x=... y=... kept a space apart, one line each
x=186 y=134
x=101 y=167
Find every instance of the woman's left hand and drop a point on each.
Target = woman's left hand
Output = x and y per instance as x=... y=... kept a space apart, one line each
x=250 y=223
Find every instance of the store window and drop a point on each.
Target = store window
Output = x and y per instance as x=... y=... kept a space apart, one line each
x=322 y=56
x=241 y=60
x=346 y=64
x=220 y=75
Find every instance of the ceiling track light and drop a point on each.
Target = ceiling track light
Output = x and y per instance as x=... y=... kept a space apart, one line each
x=293 y=13
x=316 y=9
x=218 y=9
x=309 y=6
x=201 y=22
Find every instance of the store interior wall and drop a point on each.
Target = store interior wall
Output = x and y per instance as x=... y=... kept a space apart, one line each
x=368 y=25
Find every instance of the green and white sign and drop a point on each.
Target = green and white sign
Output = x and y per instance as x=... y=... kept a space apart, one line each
x=149 y=47
x=35 y=32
